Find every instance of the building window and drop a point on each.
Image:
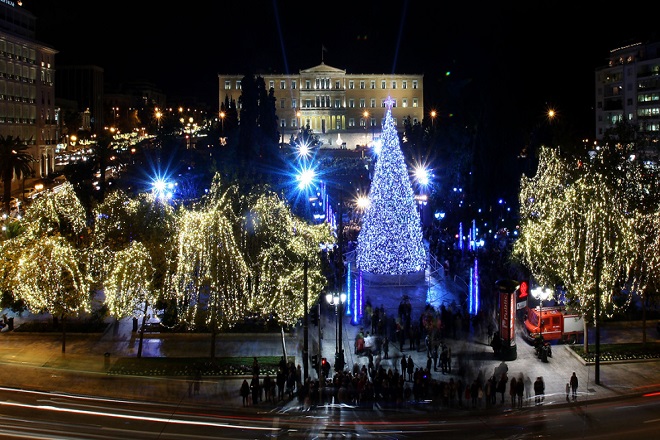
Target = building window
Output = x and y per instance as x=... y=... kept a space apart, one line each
x=414 y=84
x=393 y=85
x=373 y=85
x=337 y=124
x=294 y=123
x=363 y=122
x=383 y=85
x=362 y=85
x=351 y=122
x=271 y=85
x=238 y=85
x=293 y=84
x=373 y=103
x=362 y=103
x=282 y=103
x=227 y=85
x=308 y=84
x=294 y=103
x=337 y=85
x=282 y=85
x=404 y=102
x=351 y=85
x=415 y=103
x=404 y=84
x=283 y=125
x=337 y=103
x=351 y=103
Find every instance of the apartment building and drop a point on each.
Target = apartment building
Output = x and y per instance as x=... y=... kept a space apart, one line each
x=27 y=76
x=345 y=110
x=628 y=88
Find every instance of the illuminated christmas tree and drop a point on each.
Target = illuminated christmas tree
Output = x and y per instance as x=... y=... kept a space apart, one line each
x=390 y=242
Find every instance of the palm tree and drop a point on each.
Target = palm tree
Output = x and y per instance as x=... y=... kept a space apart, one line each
x=14 y=159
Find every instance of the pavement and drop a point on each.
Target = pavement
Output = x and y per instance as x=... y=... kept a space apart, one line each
x=36 y=361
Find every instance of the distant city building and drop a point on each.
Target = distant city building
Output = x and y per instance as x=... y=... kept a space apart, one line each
x=628 y=88
x=27 y=76
x=341 y=108
x=84 y=85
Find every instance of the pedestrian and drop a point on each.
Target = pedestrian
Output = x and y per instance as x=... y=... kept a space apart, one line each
x=254 y=388
x=568 y=390
x=404 y=366
x=198 y=379
x=410 y=368
x=245 y=392
x=267 y=388
x=520 y=390
x=501 y=386
x=512 y=391
x=539 y=390
x=574 y=386
x=435 y=357
x=386 y=347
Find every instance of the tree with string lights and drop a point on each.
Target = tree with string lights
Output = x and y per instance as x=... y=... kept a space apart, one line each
x=128 y=287
x=211 y=276
x=51 y=277
x=583 y=226
x=277 y=245
x=390 y=241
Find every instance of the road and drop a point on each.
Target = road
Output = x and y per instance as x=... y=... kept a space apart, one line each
x=27 y=414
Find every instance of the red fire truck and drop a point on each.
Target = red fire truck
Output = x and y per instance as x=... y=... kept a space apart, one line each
x=554 y=324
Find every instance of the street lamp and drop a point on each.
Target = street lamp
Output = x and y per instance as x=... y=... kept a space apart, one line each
x=366 y=118
x=222 y=119
x=433 y=113
x=541 y=294
x=337 y=300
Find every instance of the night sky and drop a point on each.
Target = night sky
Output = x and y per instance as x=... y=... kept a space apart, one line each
x=540 y=54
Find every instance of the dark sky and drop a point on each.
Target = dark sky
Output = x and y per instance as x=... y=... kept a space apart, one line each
x=542 y=53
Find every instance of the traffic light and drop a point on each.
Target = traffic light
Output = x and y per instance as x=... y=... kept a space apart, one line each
x=315 y=361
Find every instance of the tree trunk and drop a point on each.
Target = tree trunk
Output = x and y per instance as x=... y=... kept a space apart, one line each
x=144 y=321
x=644 y=318
x=284 y=344
x=585 y=342
x=214 y=326
x=63 y=333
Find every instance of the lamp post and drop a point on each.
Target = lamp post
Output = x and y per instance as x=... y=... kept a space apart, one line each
x=222 y=120
x=337 y=300
x=366 y=118
x=541 y=294
x=433 y=113
x=159 y=115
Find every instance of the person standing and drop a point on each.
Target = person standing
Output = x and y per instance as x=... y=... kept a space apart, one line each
x=386 y=347
x=539 y=389
x=568 y=390
x=410 y=368
x=574 y=386
x=245 y=392
x=513 y=384
x=520 y=390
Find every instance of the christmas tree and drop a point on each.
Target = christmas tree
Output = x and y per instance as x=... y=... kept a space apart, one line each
x=390 y=242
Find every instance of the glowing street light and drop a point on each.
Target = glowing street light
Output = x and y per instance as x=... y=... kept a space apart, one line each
x=433 y=114
x=159 y=115
x=542 y=294
x=337 y=300
x=222 y=118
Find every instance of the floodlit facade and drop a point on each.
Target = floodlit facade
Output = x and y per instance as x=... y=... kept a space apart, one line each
x=628 y=88
x=345 y=110
x=27 y=77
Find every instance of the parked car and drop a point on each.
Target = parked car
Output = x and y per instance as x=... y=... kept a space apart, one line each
x=30 y=193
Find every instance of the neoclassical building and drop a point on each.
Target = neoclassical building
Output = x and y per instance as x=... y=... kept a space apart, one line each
x=27 y=77
x=345 y=110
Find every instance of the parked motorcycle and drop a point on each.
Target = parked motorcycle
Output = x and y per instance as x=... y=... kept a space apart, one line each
x=543 y=349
